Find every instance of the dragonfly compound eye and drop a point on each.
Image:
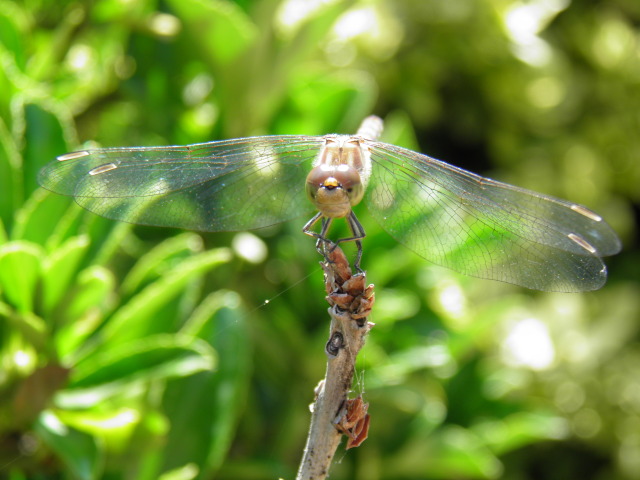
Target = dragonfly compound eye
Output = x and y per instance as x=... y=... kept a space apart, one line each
x=349 y=180
x=334 y=189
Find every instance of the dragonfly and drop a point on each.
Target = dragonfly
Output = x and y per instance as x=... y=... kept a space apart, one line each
x=454 y=218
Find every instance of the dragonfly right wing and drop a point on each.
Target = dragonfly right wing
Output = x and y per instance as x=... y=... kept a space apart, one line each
x=217 y=186
x=484 y=228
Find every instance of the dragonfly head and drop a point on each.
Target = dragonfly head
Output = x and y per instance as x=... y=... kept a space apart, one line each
x=334 y=189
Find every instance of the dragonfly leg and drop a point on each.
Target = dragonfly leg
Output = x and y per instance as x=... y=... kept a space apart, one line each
x=307 y=227
x=321 y=237
x=323 y=242
x=358 y=235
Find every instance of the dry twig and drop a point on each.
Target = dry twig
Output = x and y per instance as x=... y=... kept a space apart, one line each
x=333 y=414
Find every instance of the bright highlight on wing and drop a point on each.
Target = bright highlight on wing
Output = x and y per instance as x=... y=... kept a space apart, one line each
x=454 y=218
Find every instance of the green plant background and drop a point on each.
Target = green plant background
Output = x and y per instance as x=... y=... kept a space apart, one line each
x=143 y=353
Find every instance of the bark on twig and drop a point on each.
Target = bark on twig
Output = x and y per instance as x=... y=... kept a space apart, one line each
x=351 y=301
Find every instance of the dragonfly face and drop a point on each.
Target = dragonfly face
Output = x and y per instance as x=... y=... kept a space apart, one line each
x=335 y=184
x=454 y=218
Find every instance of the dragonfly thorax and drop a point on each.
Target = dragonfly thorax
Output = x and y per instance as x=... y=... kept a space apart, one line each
x=334 y=189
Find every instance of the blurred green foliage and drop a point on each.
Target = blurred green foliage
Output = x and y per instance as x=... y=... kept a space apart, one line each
x=129 y=352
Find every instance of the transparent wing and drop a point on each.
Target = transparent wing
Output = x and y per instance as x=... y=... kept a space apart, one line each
x=218 y=186
x=484 y=228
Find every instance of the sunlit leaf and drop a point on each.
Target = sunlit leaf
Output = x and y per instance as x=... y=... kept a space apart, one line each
x=137 y=318
x=130 y=367
x=40 y=216
x=92 y=289
x=77 y=450
x=113 y=426
x=451 y=452
x=222 y=29
x=160 y=259
x=10 y=180
x=20 y=265
x=521 y=429
x=44 y=139
x=59 y=269
x=207 y=406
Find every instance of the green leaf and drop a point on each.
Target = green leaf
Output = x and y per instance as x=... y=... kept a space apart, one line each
x=133 y=365
x=10 y=179
x=77 y=450
x=4 y=238
x=83 y=313
x=398 y=130
x=451 y=452
x=42 y=214
x=137 y=318
x=20 y=264
x=92 y=290
x=60 y=268
x=13 y=24
x=44 y=139
x=520 y=429
x=206 y=407
x=345 y=97
x=113 y=425
x=160 y=258
x=186 y=472
x=31 y=327
x=112 y=234
x=221 y=29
